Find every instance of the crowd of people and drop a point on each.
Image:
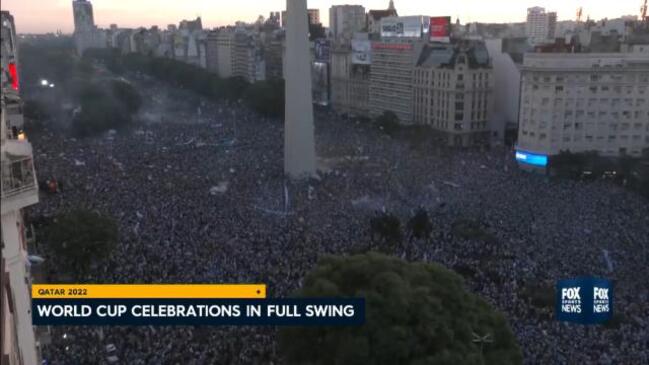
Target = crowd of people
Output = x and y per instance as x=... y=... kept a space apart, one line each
x=200 y=196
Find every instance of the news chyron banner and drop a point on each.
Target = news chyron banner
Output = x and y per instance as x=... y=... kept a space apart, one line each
x=186 y=305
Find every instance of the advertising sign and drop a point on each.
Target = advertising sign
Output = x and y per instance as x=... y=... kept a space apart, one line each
x=321 y=50
x=531 y=158
x=402 y=27
x=361 y=52
x=584 y=300
x=440 y=29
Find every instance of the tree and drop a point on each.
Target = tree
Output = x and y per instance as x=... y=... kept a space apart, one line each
x=469 y=229
x=266 y=97
x=419 y=225
x=388 y=122
x=415 y=313
x=80 y=238
x=386 y=229
x=125 y=93
x=35 y=113
x=316 y=31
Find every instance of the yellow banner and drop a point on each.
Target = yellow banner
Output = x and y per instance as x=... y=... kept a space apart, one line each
x=149 y=291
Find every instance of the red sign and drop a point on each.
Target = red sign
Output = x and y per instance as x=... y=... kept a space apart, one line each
x=13 y=73
x=440 y=27
x=394 y=46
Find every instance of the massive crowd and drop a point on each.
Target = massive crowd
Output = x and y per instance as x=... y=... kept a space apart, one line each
x=199 y=194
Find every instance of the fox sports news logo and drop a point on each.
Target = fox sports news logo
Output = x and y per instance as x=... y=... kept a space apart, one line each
x=584 y=300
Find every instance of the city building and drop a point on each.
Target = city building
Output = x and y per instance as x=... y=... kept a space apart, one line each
x=345 y=20
x=211 y=49
x=235 y=52
x=350 y=76
x=391 y=82
x=19 y=190
x=453 y=91
x=190 y=43
x=582 y=102
x=541 y=25
x=274 y=19
x=373 y=21
x=314 y=16
x=224 y=40
x=274 y=49
x=86 y=33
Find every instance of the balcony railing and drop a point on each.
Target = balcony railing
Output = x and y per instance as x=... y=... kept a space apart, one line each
x=17 y=176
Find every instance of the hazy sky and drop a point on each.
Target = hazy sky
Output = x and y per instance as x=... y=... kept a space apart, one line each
x=40 y=16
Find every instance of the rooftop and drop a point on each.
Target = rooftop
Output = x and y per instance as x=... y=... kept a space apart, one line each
x=446 y=55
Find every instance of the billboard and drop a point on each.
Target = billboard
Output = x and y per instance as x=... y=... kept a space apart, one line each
x=320 y=83
x=531 y=158
x=361 y=52
x=321 y=50
x=440 y=29
x=403 y=26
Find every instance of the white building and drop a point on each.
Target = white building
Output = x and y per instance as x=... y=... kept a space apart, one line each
x=584 y=102
x=453 y=91
x=345 y=20
x=19 y=190
x=540 y=26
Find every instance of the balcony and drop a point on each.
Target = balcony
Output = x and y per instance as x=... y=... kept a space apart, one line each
x=19 y=187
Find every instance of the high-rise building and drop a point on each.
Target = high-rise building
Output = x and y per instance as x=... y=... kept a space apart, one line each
x=453 y=91
x=350 y=77
x=234 y=52
x=373 y=21
x=211 y=49
x=274 y=19
x=19 y=190
x=391 y=83
x=84 y=20
x=314 y=16
x=86 y=34
x=582 y=102
x=540 y=26
x=345 y=20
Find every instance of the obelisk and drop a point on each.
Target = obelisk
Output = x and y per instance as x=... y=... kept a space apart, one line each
x=299 y=144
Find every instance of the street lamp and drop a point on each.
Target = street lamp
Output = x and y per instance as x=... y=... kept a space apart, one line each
x=44 y=82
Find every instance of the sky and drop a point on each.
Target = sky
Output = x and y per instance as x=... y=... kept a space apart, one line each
x=42 y=16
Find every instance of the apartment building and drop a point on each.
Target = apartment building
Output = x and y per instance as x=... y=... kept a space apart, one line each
x=391 y=78
x=19 y=190
x=350 y=77
x=540 y=26
x=584 y=102
x=453 y=91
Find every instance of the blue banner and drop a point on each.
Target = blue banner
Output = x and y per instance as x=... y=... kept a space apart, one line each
x=584 y=300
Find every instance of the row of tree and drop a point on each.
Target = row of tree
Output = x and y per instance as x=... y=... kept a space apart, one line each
x=632 y=172
x=105 y=105
x=265 y=97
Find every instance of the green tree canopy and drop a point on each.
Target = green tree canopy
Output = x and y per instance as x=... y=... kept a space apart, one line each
x=125 y=93
x=80 y=238
x=420 y=225
x=388 y=122
x=416 y=313
x=386 y=229
x=267 y=97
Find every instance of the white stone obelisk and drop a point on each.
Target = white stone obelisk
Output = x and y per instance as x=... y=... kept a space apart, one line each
x=299 y=140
